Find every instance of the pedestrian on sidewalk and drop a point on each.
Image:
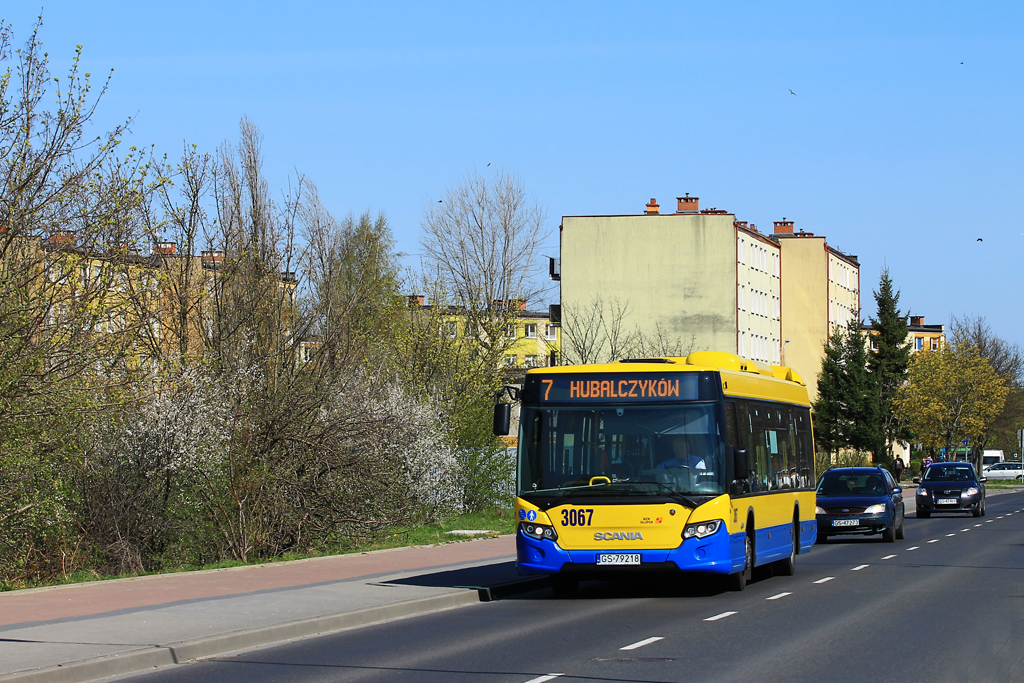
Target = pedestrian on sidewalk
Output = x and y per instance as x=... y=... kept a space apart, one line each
x=899 y=467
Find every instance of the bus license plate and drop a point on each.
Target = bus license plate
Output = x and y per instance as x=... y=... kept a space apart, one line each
x=845 y=522
x=618 y=558
x=947 y=501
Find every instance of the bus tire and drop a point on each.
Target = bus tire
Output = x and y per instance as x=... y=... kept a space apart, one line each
x=564 y=586
x=787 y=567
x=738 y=581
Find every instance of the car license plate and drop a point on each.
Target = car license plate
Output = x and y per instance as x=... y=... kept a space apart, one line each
x=845 y=522
x=618 y=558
x=948 y=501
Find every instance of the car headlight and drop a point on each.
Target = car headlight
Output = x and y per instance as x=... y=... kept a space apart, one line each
x=701 y=529
x=818 y=510
x=875 y=509
x=922 y=492
x=971 y=491
x=538 y=531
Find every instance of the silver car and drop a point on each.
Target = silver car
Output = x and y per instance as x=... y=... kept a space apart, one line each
x=1004 y=470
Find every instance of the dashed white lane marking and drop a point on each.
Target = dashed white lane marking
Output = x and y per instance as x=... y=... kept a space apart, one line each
x=723 y=615
x=999 y=517
x=859 y=567
x=780 y=595
x=967 y=529
x=913 y=547
x=989 y=521
x=977 y=525
x=825 y=580
x=948 y=535
x=542 y=679
x=641 y=643
x=888 y=557
x=934 y=540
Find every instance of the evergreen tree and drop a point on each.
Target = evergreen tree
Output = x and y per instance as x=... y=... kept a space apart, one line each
x=861 y=405
x=888 y=366
x=845 y=412
x=830 y=427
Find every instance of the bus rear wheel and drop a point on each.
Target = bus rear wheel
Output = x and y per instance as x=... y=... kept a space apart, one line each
x=787 y=567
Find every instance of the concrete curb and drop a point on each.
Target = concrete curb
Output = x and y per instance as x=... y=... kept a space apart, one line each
x=147 y=659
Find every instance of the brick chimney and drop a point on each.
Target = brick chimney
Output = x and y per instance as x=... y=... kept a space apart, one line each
x=917 y=320
x=687 y=204
x=416 y=300
x=783 y=227
x=212 y=259
x=653 y=207
x=166 y=248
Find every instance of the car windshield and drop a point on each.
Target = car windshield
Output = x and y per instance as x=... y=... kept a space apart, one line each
x=851 y=484
x=949 y=473
x=626 y=451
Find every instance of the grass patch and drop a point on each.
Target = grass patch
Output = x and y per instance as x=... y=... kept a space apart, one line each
x=497 y=522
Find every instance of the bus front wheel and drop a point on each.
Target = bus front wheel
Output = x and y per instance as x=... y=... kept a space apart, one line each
x=738 y=581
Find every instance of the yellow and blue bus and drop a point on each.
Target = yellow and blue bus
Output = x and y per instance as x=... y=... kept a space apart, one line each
x=696 y=464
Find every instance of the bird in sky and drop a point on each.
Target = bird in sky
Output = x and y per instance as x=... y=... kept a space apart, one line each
x=980 y=240
x=488 y=163
x=440 y=201
x=792 y=93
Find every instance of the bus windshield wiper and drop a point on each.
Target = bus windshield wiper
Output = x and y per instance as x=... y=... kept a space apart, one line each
x=675 y=494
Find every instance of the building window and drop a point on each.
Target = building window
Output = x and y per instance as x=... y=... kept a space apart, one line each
x=918 y=343
x=510 y=360
x=451 y=328
x=553 y=359
x=550 y=332
x=510 y=331
x=530 y=361
x=935 y=343
x=531 y=330
x=873 y=343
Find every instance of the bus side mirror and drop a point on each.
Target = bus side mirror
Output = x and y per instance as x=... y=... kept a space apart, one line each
x=740 y=466
x=502 y=419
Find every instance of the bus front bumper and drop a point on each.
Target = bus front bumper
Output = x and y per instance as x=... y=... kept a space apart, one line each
x=719 y=553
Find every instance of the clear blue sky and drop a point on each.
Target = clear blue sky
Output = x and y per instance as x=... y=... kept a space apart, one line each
x=891 y=147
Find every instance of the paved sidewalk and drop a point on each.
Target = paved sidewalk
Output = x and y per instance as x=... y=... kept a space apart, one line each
x=88 y=631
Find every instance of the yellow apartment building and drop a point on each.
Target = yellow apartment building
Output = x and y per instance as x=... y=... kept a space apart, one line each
x=820 y=291
x=695 y=274
x=920 y=337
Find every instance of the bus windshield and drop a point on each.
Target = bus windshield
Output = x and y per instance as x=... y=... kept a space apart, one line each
x=645 y=451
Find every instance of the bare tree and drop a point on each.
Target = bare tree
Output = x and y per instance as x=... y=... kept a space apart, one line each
x=599 y=332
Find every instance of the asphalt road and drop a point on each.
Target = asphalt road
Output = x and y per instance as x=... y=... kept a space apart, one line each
x=946 y=604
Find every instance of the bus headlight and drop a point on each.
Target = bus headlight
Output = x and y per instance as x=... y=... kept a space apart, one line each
x=538 y=531
x=701 y=529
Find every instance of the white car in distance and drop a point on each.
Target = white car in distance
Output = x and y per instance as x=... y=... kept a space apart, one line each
x=1004 y=470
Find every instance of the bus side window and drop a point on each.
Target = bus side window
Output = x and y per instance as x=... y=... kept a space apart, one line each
x=761 y=464
x=804 y=443
x=745 y=439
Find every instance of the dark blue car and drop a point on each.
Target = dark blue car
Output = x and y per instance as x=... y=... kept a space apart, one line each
x=859 y=500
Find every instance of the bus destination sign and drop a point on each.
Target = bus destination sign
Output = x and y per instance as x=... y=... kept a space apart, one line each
x=605 y=387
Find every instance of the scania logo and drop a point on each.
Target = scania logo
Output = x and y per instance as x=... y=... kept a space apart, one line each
x=618 y=536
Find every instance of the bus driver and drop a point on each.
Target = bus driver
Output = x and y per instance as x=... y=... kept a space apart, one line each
x=681 y=457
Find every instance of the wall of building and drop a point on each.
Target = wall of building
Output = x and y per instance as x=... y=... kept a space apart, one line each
x=805 y=297
x=758 y=287
x=676 y=269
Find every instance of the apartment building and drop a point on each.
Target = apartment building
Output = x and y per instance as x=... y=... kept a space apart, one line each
x=701 y=275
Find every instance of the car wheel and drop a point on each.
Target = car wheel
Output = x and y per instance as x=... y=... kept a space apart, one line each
x=921 y=514
x=564 y=586
x=738 y=581
x=901 y=530
x=983 y=510
x=787 y=567
x=889 y=535
x=976 y=511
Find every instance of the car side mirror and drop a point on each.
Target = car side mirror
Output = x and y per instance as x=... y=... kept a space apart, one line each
x=897 y=490
x=740 y=465
x=983 y=480
x=917 y=480
x=502 y=419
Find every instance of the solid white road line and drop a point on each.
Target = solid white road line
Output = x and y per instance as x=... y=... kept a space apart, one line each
x=859 y=567
x=888 y=557
x=645 y=641
x=780 y=595
x=913 y=547
x=723 y=615
x=543 y=679
x=934 y=540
